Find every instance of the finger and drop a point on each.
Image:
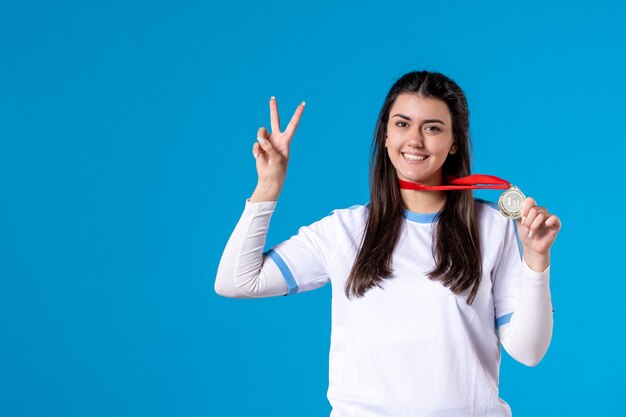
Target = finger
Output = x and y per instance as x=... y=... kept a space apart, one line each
x=529 y=203
x=553 y=222
x=274 y=119
x=262 y=133
x=536 y=224
x=266 y=145
x=532 y=214
x=529 y=218
x=257 y=150
x=295 y=119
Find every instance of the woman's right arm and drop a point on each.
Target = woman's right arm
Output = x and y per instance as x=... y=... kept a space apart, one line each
x=244 y=272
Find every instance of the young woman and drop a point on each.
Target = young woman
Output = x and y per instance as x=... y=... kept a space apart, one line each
x=426 y=284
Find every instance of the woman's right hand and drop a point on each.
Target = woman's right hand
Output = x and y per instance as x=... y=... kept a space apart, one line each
x=272 y=150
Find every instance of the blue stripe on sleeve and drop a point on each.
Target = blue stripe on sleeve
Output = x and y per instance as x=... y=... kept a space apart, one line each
x=503 y=320
x=519 y=242
x=289 y=279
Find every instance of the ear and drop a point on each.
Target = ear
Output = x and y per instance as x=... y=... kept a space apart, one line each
x=453 y=149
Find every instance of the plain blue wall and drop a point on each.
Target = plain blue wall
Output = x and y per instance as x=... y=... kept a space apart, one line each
x=126 y=131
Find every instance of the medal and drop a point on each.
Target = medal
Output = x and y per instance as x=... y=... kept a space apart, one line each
x=510 y=203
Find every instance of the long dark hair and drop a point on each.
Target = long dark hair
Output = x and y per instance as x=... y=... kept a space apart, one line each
x=456 y=244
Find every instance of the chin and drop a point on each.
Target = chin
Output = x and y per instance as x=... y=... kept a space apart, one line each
x=419 y=179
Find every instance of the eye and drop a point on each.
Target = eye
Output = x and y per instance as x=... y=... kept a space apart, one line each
x=434 y=127
x=401 y=123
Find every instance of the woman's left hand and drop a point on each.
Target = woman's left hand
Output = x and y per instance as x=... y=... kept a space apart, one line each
x=537 y=231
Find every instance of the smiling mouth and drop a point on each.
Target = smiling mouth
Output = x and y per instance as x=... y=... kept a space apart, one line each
x=414 y=158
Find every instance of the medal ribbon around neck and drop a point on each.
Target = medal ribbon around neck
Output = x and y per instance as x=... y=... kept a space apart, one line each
x=510 y=202
x=462 y=183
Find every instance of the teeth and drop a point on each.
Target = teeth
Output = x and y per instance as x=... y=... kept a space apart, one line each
x=414 y=157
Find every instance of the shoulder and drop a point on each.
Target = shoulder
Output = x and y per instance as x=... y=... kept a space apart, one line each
x=354 y=211
x=354 y=215
x=349 y=218
x=494 y=227
x=489 y=216
x=485 y=206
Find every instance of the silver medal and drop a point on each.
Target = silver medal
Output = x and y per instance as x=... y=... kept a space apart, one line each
x=510 y=203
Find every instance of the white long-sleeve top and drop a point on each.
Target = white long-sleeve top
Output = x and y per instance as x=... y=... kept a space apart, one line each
x=517 y=296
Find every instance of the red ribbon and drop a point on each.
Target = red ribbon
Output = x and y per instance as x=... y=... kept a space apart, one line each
x=463 y=183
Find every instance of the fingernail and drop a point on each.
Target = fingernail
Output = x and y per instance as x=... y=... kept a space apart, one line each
x=272 y=98
x=526 y=228
x=261 y=140
x=523 y=219
x=304 y=103
x=530 y=234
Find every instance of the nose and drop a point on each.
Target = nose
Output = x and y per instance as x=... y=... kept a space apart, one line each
x=417 y=140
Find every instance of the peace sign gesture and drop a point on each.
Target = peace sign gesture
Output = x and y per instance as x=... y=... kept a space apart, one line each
x=272 y=150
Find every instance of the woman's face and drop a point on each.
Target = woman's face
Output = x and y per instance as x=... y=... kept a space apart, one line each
x=423 y=127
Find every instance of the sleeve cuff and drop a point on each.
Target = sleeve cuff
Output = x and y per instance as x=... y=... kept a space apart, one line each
x=533 y=277
x=260 y=205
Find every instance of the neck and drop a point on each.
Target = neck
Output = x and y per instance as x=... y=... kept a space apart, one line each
x=423 y=202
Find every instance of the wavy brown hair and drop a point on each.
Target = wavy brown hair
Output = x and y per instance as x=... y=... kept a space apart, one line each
x=456 y=244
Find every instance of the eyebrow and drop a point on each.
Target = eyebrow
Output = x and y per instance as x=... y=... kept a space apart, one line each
x=425 y=121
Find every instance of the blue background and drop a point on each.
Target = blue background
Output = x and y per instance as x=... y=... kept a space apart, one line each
x=126 y=134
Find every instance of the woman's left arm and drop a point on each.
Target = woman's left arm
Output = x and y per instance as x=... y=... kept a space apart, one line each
x=527 y=336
